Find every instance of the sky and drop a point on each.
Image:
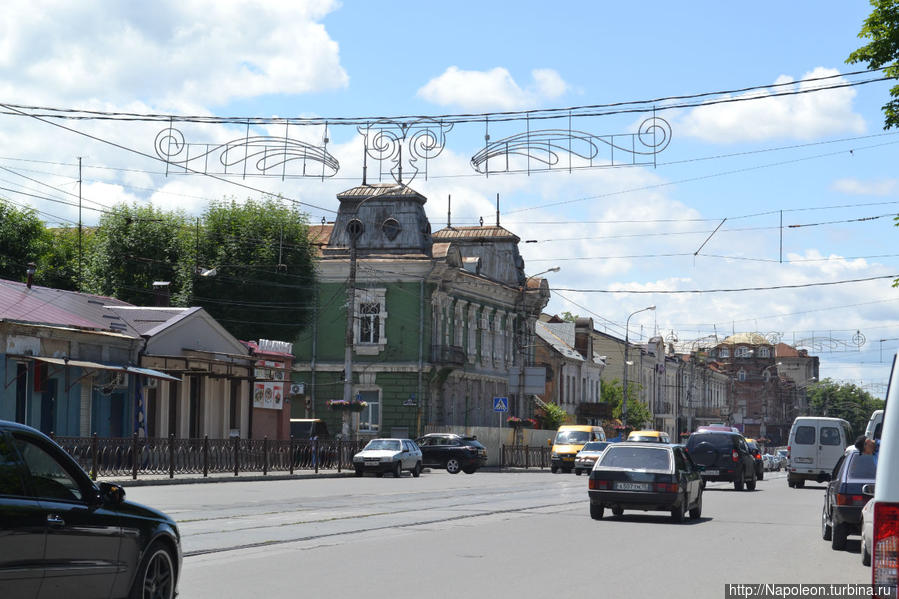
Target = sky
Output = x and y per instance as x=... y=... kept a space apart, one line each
x=768 y=210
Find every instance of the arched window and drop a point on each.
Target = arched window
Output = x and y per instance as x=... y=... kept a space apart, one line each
x=741 y=376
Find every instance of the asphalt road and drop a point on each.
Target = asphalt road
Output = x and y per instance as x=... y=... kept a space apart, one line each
x=488 y=535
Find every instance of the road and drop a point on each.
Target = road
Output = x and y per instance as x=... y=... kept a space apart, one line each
x=488 y=535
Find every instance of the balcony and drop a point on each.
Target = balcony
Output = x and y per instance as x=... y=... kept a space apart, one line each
x=447 y=355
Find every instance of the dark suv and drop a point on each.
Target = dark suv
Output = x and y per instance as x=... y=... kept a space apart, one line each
x=724 y=456
x=453 y=452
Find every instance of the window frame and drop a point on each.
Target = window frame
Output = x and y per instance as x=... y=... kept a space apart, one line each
x=365 y=296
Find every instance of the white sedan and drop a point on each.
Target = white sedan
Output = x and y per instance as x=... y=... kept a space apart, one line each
x=389 y=455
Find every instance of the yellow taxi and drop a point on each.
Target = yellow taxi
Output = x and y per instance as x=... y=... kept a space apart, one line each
x=649 y=436
x=570 y=439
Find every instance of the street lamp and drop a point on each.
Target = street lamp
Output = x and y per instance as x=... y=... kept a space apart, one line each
x=524 y=330
x=626 y=343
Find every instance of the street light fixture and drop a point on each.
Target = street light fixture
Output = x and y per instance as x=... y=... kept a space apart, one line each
x=626 y=343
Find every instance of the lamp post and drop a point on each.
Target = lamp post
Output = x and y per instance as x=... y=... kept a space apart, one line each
x=626 y=344
x=524 y=330
x=763 y=427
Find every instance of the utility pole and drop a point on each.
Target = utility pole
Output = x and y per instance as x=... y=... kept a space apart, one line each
x=79 y=225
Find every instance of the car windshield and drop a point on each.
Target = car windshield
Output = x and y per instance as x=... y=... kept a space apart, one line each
x=862 y=466
x=636 y=458
x=595 y=446
x=386 y=444
x=651 y=438
x=572 y=437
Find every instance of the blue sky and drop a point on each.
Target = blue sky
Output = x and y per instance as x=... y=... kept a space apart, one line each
x=821 y=160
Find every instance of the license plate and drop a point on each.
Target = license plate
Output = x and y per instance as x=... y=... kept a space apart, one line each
x=622 y=486
x=803 y=460
x=711 y=472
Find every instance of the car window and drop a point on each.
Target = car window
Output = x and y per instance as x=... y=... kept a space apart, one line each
x=385 y=444
x=862 y=466
x=830 y=435
x=805 y=435
x=637 y=458
x=10 y=470
x=720 y=441
x=679 y=462
x=48 y=477
x=572 y=437
x=836 y=469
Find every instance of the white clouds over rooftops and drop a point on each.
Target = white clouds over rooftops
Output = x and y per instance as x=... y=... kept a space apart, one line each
x=495 y=89
x=167 y=54
x=799 y=116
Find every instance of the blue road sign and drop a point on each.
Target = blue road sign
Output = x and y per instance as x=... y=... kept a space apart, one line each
x=500 y=404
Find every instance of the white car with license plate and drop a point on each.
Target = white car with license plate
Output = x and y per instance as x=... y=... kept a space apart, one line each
x=389 y=455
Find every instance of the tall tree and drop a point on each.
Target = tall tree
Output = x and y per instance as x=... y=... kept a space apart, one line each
x=638 y=414
x=881 y=28
x=258 y=267
x=134 y=246
x=843 y=400
x=58 y=264
x=22 y=240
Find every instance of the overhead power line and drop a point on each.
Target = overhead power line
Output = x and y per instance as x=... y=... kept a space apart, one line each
x=739 y=289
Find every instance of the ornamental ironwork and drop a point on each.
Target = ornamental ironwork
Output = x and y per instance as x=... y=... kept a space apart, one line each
x=250 y=155
x=543 y=150
x=397 y=143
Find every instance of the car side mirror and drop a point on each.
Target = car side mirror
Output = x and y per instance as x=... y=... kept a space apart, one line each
x=868 y=489
x=112 y=493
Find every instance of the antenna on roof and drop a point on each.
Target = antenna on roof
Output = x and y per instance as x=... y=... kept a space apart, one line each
x=497 y=209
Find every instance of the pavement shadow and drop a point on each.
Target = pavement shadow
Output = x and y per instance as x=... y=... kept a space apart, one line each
x=656 y=518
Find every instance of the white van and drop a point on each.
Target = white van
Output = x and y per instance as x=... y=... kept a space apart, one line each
x=816 y=443
x=876 y=418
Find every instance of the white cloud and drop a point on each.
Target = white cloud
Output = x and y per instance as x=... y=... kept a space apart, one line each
x=880 y=187
x=799 y=116
x=495 y=89
x=165 y=53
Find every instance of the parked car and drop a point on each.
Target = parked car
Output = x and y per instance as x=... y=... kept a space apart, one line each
x=816 y=443
x=586 y=457
x=771 y=462
x=64 y=536
x=783 y=455
x=756 y=452
x=389 y=455
x=649 y=436
x=724 y=456
x=570 y=439
x=844 y=500
x=453 y=452
x=717 y=427
x=647 y=477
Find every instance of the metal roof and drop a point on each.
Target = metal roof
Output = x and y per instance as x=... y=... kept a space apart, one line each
x=44 y=305
x=488 y=233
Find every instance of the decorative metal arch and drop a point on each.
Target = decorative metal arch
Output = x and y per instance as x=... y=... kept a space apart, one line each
x=249 y=155
x=547 y=147
x=385 y=140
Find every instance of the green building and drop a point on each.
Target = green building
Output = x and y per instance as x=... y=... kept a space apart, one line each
x=439 y=320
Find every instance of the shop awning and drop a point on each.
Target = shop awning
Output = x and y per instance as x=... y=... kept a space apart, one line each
x=101 y=366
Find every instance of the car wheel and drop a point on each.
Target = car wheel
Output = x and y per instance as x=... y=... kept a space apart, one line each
x=359 y=471
x=617 y=510
x=738 y=483
x=380 y=475
x=866 y=555
x=453 y=466
x=702 y=484
x=838 y=536
x=750 y=484
x=696 y=511
x=800 y=484
x=577 y=471
x=398 y=470
x=791 y=484
x=416 y=472
x=678 y=514
x=469 y=469
x=825 y=526
x=553 y=469
x=761 y=475
x=156 y=574
x=596 y=511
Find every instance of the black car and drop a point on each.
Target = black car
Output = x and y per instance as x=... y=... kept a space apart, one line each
x=63 y=536
x=643 y=476
x=844 y=500
x=756 y=452
x=724 y=456
x=453 y=452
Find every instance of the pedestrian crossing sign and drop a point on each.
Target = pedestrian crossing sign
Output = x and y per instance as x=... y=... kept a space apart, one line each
x=500 y=404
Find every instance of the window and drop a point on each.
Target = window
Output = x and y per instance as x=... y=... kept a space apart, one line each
x=370 y=323
x=742 y=352
x=48 y=477
x=724 y=352
x=805 y=435
x=10 y=470
x=765 y=352
x=830 y=435
x=741 y=376
x=370 y=416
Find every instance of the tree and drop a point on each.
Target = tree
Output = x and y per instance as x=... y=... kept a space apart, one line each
x=22 y=240
x=843 y=400
x=58 y=263
x=882 y=29
x=133 y=247
x=554 y=416
x=568 y=316
x=264 y=278
x=638 y=415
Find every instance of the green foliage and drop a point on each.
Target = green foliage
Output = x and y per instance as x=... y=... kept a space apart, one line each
x=843 y=400
x=555 y=416
x=881 y=28
x=638 y=414
x=264 y=282
x=133 y=247
x=569 y=317
x=58 y=264
x=22 y=240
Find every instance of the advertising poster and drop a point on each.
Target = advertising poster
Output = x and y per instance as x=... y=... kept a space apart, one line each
x=269 y=390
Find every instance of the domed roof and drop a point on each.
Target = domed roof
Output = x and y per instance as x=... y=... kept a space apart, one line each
x=746 y=339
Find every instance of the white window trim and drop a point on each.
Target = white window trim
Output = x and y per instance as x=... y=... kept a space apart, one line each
x=367 y=296
x=369 y=388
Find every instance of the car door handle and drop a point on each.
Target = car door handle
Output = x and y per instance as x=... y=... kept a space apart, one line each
x=55 y=520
